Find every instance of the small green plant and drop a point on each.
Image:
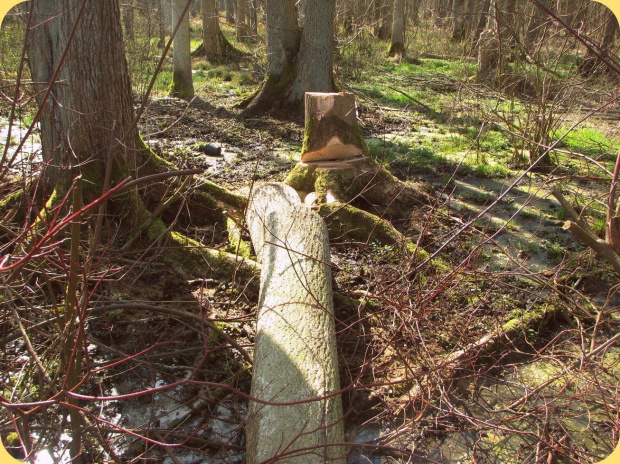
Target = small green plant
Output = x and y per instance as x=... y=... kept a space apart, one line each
x=555 y=252
x=527 y=247
x=528 y=212
x=488 y=170
x=599 y=225
x=244 y=79
x=560 y=213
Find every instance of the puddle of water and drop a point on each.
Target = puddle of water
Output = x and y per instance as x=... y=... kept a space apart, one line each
x=359 y=455
x=29 y=156
x=527 y=237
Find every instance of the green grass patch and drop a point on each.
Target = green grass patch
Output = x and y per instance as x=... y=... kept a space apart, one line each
x=590 y=142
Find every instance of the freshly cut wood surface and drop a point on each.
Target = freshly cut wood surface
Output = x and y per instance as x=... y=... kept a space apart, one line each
x=332 y=132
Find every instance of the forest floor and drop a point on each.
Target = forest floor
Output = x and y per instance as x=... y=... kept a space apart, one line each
x=542 y=392
x=514 y=261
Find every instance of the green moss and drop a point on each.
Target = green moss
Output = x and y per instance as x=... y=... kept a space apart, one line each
x=191 y=258
x=181 y=86
x=12 y=439
x=11 y=200
x=366 y=180
x=92 y=181
x=222 y=194
x=237 y=245
x=345 y=222
x=154 y=163
x=523 y=322
x=302 y=178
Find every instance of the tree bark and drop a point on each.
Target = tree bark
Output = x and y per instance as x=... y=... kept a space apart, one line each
x=161 y=23
x=86 y=109
x=128 y=19
x=489 y=51
x=387 y=17
x=536 y=28
x=89 y=107
x=215 y=46
x=295 y=356
x=481 y=23
x=210 y=30
x=315 y=61
x=296 y=62
x=182 y=80
x=230 y=15
x=414 y=10
x=253 y=17
x=397 y=44
x=592 y=64
x=241 y=29
x=459 y=21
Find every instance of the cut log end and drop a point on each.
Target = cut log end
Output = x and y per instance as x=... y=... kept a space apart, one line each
x=335 y=149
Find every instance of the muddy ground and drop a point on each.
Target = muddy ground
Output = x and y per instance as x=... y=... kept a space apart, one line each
x=396 y=321
x=384 y=322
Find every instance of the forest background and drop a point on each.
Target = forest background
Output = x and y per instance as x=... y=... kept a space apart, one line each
x=475 y=322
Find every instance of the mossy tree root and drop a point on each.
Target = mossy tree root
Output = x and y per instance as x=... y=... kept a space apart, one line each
x=347 y=223
x=206 y=203
x=365 y=183
x=271 y=94
x=194 y=260
x=514 y=332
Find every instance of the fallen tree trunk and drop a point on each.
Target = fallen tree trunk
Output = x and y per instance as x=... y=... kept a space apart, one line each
x=295 y=358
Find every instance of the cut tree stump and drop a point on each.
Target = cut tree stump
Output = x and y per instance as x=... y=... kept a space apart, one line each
x=335 y=168
x=295 y=358
x=332 y=132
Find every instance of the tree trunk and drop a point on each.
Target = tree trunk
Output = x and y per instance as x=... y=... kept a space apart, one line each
x=253 y=17
x=91 y=108
x=161 y=23
x=128 y=19
x=315 y=61
x=348 y=16
x=397 y=44
x=536 y=28
x=508 y=27
x=414 y=8
x=335 y=168
x=182 y=79
x=230 y=15
x=592 y=64
x=295 y=356
x=87 y=111
x=301 y=7
x=296 y=63
x=481 y=23
x=215 y=46
x=489 y=51
x=241 y=29
x=211 y=31
x=387 y=18
x=459 y=24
